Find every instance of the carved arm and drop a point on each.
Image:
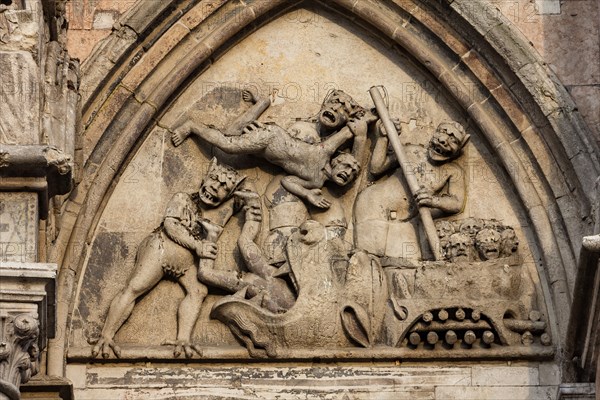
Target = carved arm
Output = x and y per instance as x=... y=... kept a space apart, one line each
x=306 y=190
x=381 y=159
x=181 y=235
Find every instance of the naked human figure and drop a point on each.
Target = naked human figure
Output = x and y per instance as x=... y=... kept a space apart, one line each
x=187 y=237
x=310 y=165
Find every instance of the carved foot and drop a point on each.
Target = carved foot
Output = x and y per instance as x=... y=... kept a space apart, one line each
x=178 y=136
x=104 y=346
x=248 y=96
x=183 y=346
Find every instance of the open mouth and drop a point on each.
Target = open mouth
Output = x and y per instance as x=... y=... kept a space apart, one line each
x=461 y=251
x=208 y=197
x=440 y=149
x=343 y=177
x=329 y=117
x=491 y=253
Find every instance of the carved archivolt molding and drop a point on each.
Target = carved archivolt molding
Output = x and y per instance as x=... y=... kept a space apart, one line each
x=440 y=38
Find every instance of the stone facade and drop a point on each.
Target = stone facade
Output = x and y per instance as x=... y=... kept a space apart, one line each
x=308 y=199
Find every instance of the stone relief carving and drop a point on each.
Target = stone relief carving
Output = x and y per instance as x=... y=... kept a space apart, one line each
x=306 y=285
x=186 y=237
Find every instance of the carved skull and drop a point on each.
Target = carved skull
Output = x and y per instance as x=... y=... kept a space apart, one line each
x=493 y=224
x=444 y=229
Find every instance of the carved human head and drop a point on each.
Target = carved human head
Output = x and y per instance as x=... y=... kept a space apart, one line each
x=337 y=108
x=218 y=184
x=493 y=224
x=459 y=247
x=447 y=141
x=487 y=243
x=344 y=169
x=509 y=242
x=444 y=229
x=471 y=226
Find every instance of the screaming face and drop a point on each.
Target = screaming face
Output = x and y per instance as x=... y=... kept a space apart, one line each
x=487 y=243
x=344 y=169
x=218 y=184
x=333 y=115
x=213 y=191
x=447 y=141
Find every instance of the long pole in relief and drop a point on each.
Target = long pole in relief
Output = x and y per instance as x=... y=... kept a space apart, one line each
x=413 y=185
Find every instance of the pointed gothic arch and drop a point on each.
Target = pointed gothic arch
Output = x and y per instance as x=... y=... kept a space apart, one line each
x=526 y=115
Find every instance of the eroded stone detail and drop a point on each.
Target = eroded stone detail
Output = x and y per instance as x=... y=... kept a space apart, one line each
x=18 y=227
x=59 y=160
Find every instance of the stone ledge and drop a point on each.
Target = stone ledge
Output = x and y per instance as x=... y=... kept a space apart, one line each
x=47 y=387
x=211 y=354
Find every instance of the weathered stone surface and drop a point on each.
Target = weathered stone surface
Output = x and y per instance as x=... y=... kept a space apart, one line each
x=18 y=227
x=505 y=376
x=154 y=55
x=216 y=100
x=20 y=28
x=496 y=393
x=19 y=99
x=316 y=382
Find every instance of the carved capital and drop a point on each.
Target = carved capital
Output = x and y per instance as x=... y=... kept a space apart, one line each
x=19 y=351
x=27 y=309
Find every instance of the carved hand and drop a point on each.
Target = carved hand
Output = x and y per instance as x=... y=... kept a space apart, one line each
x=358 y=127
x=253 y=213
x=248 y=96
x=381 y=128
x=206 y=249
x=253 y=126
x=424 y=198
x=249 y=197
x=316 y=198
x=370 y=116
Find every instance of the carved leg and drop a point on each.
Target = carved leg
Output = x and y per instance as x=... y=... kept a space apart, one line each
x=259 y=106
x=147 y=273
x=226 y=280
x=188 y=312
